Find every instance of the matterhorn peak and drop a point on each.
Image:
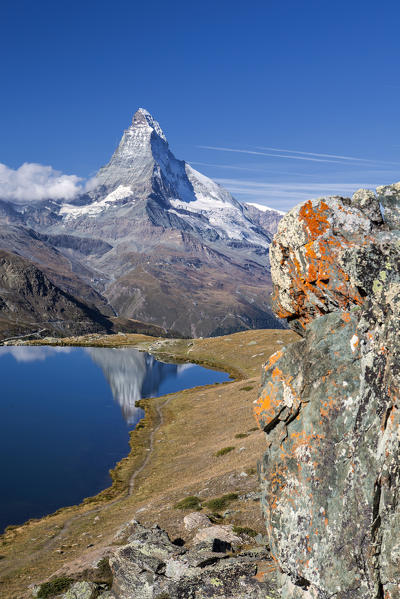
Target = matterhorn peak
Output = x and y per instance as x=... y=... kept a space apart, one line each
x=142 y=117
x=133 y=161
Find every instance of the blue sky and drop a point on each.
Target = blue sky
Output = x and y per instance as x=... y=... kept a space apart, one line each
x=238 y=87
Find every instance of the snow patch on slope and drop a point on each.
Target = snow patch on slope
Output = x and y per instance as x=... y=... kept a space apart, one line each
x=71 y=212
x=264 y=208
x=222 y=211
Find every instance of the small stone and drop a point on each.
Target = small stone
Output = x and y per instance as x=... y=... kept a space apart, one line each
x=219 y=532
x=253 y=496
x=196 y=520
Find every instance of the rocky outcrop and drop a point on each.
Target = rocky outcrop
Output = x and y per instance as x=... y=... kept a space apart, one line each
x=329 y=403
x=151 y=567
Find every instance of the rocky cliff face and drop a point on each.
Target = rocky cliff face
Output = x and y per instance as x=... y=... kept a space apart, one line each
x=30 y=302
x=329 y=403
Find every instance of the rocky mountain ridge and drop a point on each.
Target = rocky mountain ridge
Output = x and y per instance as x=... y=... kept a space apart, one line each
x=31 y=303
x=154 y=240
x=329 y=404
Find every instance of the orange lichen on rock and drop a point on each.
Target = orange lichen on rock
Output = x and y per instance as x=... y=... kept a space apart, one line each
x=267 y=403
x=273 y=359
x=318 y=281
x=277 y=394
x=316 y=219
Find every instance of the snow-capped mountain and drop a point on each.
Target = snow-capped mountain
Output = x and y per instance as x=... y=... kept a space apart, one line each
x=159 y=242
x=143 y=166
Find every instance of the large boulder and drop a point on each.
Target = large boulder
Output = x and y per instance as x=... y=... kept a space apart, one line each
x=329 y=403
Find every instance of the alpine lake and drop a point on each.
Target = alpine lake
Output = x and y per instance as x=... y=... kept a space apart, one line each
x=65 y=418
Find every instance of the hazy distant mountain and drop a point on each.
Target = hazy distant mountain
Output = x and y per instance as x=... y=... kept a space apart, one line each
x=156 y=241
x=265 y=217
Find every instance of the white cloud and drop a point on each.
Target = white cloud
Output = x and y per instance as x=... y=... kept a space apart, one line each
x=254 y=153
x=33 y=182
x=307 y=156
x=337 y=156
x=91 y=184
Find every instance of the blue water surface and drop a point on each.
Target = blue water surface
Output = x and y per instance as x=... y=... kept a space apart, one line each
x=65 y=417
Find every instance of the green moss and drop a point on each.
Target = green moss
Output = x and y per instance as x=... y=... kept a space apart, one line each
x=10 y=527
x=54 y=587
x=189 y=503
x=247 y=388
x=241 y=435
x=377 y=286
x=224 y=450
x=215 y=518
x=104 y=572
x=244 y=530
x=251 y=471
x=221 y=503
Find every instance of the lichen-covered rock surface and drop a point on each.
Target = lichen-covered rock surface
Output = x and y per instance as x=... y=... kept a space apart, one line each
x=150 y=566
x=329 y=403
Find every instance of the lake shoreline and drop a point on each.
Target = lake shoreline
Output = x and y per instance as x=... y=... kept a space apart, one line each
x=125 y=468
x=181 y=462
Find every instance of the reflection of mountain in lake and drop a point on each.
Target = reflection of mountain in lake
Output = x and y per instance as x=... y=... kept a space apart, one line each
x=131 y=375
